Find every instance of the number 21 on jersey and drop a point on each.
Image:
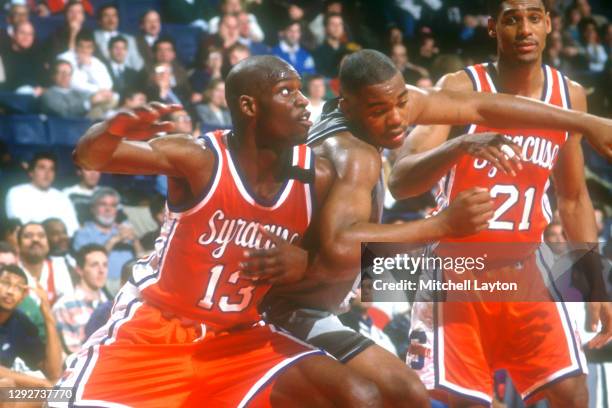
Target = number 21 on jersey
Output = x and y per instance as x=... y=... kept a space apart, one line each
x=513 y=197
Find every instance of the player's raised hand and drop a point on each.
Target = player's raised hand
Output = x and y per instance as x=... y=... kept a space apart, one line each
x=141 y=123
x=600 y=312
x=502 y=153
x=468 y=213
x=282 y=263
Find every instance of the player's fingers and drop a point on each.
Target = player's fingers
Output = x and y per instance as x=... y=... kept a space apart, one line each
x=483 y=218
x=600 y=340
x=164 y=109
x=501 y=161
x=480 y=197
x=258 y=264
x=146 y=113
x=473 y=191
x=594 y=309
x=261 y=253
x=162 y=127
x=480 y=210
x=276 y=240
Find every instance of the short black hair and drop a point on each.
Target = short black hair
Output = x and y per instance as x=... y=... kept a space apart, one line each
x=86 y=250
x=161 y=40
x=56 y=64
x=14 y=269
x=494 y=7
x=8 y=226
x=42 y=156
x=144 y=15
x=116 y=39
x=84 y=35
x=46 y=223
x=365 y=68
x=104 y=8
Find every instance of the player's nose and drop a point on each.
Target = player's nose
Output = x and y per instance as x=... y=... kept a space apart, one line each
x=301 y=99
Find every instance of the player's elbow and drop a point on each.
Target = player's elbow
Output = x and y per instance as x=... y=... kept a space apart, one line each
x=343 y=254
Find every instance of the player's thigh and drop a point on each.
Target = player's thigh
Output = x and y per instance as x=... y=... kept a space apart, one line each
x=570 y=392
x=324 y=379
x=399 y=385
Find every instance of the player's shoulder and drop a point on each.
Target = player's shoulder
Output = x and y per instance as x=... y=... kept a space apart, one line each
x=456 y=81
x=577 y=94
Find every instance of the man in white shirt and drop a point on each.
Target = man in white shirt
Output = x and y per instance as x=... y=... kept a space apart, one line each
x=80 y=194
x=150 y=27
x=37 y=200
x=108 y=21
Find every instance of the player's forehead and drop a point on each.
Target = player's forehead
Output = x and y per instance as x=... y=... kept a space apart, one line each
x=516 y=6
x=283 y=75
x=389 y=90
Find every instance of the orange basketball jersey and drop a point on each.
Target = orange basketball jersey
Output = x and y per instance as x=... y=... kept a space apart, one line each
x=194 y=272
x=522 y=209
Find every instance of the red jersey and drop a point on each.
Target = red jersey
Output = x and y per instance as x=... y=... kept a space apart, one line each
x=522 y=209
x=194 y=272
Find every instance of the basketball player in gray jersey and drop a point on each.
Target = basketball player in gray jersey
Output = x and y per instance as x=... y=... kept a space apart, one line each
x=374 y=112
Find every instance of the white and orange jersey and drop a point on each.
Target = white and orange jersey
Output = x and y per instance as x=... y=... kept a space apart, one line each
x=522 y=209
x=194 y=272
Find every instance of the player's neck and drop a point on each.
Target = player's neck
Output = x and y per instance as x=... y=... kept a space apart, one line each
x=520 y=79
x=258 y=164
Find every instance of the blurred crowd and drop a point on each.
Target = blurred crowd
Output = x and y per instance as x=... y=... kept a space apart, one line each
x=68 y=241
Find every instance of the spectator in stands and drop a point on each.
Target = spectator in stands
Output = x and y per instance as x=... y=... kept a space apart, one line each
x=428 y=50
x=8 y=232
x=246 y=36
x=19 y=337
x=227 y=35
x=164 y=52
x=100 y=315
x=150 y=30
x=607 y=42
x=119 y=240
x=65 y=38
x=555 y=238
x=410 y=71
x=329 y=54
x=38 y=200
x=234 y=8
x=72 y=312
x=290 y=49
x=51 y=273
x=132 y=98
x=210 y=68
x=18 y=13
x=64 y=101
x=90 y=75
x=213 y=112
x=57 y=6
x=316 y=96
x=122 y=74
x=59 y=245
x=108 y=21
x=318 y=25
x=237 y=53
x=553 y=55
x=22 y=61
x=80 y=193
x=8 y=254
x=160 y=86
x=591 y=47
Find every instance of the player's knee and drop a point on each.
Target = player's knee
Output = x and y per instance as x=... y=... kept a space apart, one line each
x=359 y=392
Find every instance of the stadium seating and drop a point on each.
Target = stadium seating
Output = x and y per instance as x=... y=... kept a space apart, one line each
x=66 y=131
x=186 y=41
x=131 y=11
x=15 y=103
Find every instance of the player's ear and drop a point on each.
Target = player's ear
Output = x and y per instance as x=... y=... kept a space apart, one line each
x=491 y=28
x=548 y=23
x=247 y=105
x=345 y=107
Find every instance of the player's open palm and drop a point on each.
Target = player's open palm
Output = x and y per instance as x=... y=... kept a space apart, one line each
x=502 y=153
x=468 y=213
x=142 y=123
x=282 y=263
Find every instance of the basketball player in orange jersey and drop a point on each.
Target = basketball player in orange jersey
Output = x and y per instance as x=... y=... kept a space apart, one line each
x=374 y=111
x=534 y=341
x=185 y=330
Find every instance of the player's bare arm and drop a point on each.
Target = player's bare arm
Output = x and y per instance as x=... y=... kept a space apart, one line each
x=506 y=111
x=427 y=154
x=577 y=216
x=346 y=214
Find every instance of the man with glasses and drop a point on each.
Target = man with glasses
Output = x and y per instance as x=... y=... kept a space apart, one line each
x=19 y=337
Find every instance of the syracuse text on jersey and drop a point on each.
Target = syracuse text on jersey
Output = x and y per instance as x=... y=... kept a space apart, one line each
x=242 y=233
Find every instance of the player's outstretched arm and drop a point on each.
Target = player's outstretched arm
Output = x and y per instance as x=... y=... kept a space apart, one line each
x=126 y=144
x=345 y=215
x=507 y=111
x=427 y=154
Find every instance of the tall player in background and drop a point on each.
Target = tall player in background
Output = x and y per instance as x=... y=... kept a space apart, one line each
x=185 y=331
x=374 y=111
x=535 y=341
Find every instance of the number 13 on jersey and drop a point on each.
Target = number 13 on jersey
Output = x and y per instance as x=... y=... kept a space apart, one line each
x=245 y=292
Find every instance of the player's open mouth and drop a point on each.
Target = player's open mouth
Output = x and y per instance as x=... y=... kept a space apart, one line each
x=304 y=119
